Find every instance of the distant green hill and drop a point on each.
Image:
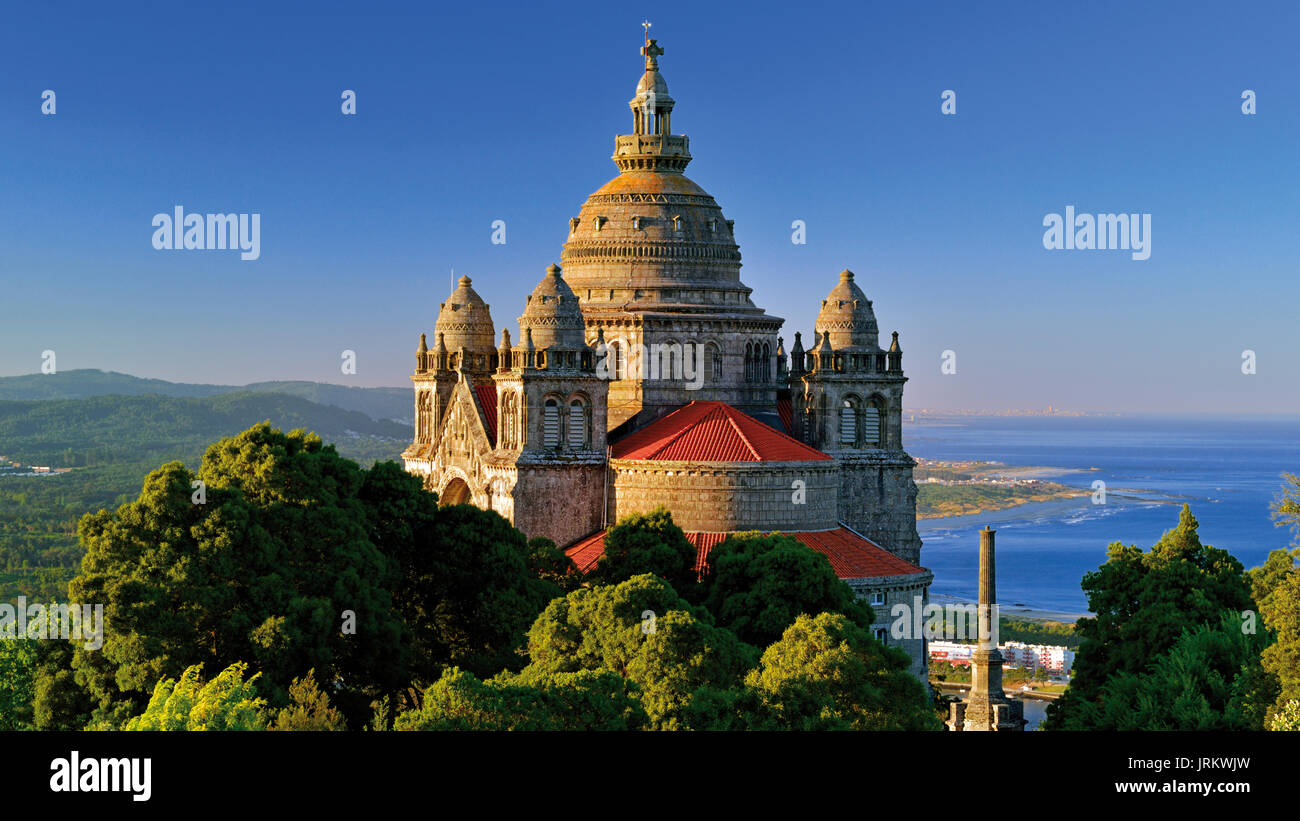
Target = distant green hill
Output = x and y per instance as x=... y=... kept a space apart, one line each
x=377 y=403
x=104 y=429
x=113 y=441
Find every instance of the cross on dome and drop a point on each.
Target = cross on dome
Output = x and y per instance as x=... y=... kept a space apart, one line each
x=651 y=50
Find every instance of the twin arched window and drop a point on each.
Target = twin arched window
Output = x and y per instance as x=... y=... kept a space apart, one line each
x=758 y=362
x=713 y=358
x=571 y=425
x=862 y=426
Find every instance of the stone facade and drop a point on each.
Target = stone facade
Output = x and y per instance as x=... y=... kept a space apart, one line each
x=883 y=593
x=722 y=497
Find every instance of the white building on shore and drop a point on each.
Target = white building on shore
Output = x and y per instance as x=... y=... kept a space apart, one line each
x=1054 y=659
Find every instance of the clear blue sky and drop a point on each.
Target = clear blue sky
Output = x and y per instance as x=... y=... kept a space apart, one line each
x=795 y=111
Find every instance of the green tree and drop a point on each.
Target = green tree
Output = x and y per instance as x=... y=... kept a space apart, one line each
x=1143 y=602
x=827 y=673
x=643 y=631
x=1286 y=508
x=1276 y=586
x=758 y=585
x=648 y=543
x=18 y=659
x=228 y=702
x=581 y=700
x=263 y=570
x=59 y=702
x=309 y=709
x=1288 y=718
x=465 y=587
x=550 y=564
x=1211 y=679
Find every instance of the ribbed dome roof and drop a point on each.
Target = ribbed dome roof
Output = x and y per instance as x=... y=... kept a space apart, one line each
x=553 y=314
x=465 y=321
x=846 y=319
x=651 y=239
x=653 y=80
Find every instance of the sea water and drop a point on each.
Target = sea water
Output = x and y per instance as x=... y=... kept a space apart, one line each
x=1227 y=468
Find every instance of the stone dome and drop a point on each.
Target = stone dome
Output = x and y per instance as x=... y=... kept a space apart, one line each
x=652 y=81
x=553 y=315
x=651 y=239
x=846 y=319
x=465 y=321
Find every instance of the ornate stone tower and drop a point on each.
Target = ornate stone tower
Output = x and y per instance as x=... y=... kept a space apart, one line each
x=986 y=706
x=657 y=268
x=463 y=343
x=550 y=417
x=847 y=395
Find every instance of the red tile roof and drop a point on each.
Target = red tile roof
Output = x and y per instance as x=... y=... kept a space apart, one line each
x=712 y=432
x=851 y=556
x=487 y=399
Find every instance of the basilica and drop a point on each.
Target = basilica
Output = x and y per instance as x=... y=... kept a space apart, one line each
x=644 y=375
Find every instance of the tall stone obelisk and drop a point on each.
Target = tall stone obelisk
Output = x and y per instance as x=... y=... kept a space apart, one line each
x=986 y=707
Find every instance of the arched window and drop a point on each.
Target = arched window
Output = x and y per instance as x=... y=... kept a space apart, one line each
x=670 y=361
x=823 y=433
x=765 y=367
x=619 y=368
x=579 y=426
x=849 y=423
x=424 y=415
x=873 y=423
x=551 y=423
x=749 y=362
x=692 y=364
x=714 y=362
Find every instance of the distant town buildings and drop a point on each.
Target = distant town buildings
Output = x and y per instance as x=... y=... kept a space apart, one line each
x=1054 y=659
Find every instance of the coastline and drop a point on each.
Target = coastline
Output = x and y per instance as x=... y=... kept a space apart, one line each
x=1020 y=612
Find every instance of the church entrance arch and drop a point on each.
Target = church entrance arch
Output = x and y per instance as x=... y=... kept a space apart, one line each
x=455 y=493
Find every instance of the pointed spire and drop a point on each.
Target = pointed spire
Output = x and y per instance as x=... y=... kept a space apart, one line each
x=440 y=353
x=503 y=352
x=422 y=356
x=530 y=350
x=797 y=356
x=893 y=346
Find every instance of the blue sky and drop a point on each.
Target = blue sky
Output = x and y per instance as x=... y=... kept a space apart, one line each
x=829 y=114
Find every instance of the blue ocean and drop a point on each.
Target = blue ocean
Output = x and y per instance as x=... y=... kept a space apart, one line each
x=1227 y=468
